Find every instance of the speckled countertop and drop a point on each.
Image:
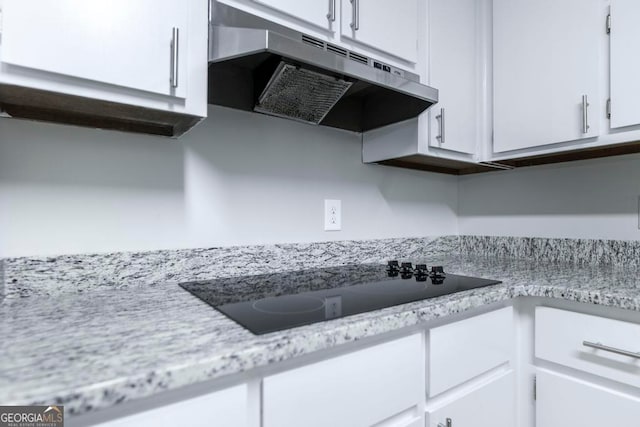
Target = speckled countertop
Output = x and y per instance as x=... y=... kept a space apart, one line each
x=91 y=350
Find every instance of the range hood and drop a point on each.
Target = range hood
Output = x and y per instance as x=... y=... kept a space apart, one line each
x=256 y=65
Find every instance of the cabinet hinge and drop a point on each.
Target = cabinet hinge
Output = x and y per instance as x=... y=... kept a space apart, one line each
x=609 y=108
x=609 y=24
x=535 y=388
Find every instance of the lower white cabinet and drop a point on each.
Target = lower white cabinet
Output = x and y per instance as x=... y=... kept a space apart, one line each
x=229 y=408
x=465 y=371
x=566 y=402
x=589 y=343
x=364 y=388
x=490 y=405
x=462 y=350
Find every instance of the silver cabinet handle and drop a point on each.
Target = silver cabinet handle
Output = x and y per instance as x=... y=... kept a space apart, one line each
x=603 y=347
x=175 y=42
x=449 y=423
x=331 y=16
x=355 y=20
x=585 y=114
x=440 y=118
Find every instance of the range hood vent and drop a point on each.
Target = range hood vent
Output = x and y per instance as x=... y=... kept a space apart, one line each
x=256 y=65
x=300 y=94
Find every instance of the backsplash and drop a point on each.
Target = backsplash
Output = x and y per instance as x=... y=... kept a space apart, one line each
x=2 y=281
x=41 y=276
x=575 y=251
x=37 y=276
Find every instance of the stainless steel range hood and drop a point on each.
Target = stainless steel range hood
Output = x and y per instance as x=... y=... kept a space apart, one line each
x=256 y=65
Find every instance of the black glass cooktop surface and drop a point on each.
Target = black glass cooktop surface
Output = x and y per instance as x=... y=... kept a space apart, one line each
x=272 y=302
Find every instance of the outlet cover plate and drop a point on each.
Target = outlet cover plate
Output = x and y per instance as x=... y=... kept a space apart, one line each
x=332 y=215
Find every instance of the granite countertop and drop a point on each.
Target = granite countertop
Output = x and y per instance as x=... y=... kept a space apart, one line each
x=91 y=350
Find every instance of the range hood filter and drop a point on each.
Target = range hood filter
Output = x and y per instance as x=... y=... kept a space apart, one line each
x=297 y=93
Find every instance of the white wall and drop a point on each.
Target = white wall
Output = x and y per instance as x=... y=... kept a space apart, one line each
x=588 y=199
x=238 y=178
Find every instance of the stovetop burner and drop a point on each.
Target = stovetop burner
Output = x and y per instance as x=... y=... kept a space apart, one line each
x=272 y=302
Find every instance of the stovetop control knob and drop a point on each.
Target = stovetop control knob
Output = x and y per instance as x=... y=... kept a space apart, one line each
x=406 y=267
x=437 y=270
x=393 y=265
x=421 y=270
x=393 y=268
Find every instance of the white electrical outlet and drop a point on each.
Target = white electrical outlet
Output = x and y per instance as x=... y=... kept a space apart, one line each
x=332 y=215
x=333 y=307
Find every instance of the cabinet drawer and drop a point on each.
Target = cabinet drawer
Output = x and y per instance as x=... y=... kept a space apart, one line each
x=227 y=407
x=357 y=389
x=561 y=337
x=463 y=350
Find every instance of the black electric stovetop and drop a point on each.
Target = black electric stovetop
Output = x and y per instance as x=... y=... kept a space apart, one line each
x=272 y=302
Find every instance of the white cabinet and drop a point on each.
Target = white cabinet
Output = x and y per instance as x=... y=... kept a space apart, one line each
x=455 y=70
x=358 y=389
x=490 y=405
x=104 y=58
x=546 y=57
x=228 y=407
x=625 y=63
x=388 y=26
x=319 y=13
x=116 y=42
x=566 y=402
x=571 y=339
x=489 y=337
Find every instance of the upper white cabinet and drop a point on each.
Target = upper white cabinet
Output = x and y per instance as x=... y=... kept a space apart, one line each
x=387 y=26
x=625 y=63
x=117 y=42
x=319 y=13
x=138 y=66
x=385 y=30
x=546 y=69
x=455 y=70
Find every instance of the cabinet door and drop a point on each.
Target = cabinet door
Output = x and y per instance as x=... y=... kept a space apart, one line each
x=453 y=69
x=118 y=42
x=491 y=405
x=566 y=402
x=545 y=58
x=320 y=13
x=388 y=26
x=228 y=407
x=625 y=63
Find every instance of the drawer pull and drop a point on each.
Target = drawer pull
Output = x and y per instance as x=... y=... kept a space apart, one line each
x=603 y=347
